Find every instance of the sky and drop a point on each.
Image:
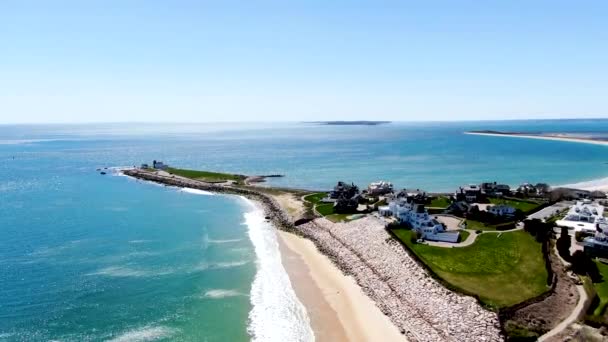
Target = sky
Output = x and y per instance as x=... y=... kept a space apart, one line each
x=198 y=61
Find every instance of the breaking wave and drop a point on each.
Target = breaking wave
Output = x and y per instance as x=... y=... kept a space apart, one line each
x=197 y=192
x=273 y=317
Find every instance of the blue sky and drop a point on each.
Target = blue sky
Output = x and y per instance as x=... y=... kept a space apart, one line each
x=91 y=61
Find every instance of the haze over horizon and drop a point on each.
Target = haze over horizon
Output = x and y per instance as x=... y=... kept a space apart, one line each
x=190 y=61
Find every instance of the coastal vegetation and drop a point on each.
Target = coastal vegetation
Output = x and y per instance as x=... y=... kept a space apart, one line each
x=502 y=269
x=206 y=176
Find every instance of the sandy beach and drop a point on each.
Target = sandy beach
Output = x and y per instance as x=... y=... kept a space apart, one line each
x=338 y=308
x=592 y=185
x=556 y=137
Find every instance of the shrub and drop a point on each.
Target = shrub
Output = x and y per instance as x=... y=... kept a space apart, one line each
x=505 y=226
x=415 y=237
x=563 y=244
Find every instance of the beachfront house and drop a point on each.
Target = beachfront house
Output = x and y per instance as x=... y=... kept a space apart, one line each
x=344 y=190
x=583 y=216
x=501 y=210
x=379 y=188
x=470 y=193
x=415 y=215
x=527 y=189
x=159 y=165
x=494 y=189
x=144 y=166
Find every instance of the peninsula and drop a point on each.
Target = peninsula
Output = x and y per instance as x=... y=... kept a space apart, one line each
x=352 y=123
x=429 y=267
x=586 y=139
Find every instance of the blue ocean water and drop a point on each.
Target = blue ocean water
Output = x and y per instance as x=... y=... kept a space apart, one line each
x=91 y=257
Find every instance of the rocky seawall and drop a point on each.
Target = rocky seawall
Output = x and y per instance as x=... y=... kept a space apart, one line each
x=417 y=304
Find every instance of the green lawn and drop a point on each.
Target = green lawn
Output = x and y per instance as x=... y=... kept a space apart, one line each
x=525 y=206
x=315 y=198
x=464 y=235
x=502 y=269
x=338 y=217
x=476 y=225
x=325 y=209
x=601 y=289
x=205 y=175
x=440 y=202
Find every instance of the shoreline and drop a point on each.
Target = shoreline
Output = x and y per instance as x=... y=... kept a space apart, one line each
x=352 y=315
x=554 y=137
x=600 y=184
x=358 y=316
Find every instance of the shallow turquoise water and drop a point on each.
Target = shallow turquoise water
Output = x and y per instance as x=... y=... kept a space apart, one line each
x=90 y=257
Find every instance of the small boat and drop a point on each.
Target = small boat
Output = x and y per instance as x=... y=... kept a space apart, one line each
x=102 y=172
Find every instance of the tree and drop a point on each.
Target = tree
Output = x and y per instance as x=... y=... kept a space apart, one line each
x=539 y=229
x=563 y=244
x=583 y=265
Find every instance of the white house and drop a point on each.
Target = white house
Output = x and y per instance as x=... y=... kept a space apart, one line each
x=583 y=216
x=416 y=216
x=385 y=210
x=379 y=188
x=501 y=210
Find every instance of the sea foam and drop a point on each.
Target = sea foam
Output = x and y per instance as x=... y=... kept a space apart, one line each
x=276 y=314
x=221 y=293
x=197 y=191
x=147 y=333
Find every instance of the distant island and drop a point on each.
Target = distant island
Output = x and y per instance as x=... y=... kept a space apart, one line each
x=351 y=123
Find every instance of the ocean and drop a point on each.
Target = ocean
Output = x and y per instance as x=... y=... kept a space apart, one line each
x=86 y=257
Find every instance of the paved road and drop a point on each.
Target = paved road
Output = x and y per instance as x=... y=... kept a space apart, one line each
x=550 y=210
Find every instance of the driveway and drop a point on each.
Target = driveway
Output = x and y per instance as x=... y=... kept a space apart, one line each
x=550 y=210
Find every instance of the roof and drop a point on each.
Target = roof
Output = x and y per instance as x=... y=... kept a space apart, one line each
x=445 y=237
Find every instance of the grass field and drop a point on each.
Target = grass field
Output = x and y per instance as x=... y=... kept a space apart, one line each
x=601 y=289
x=502 y=269
x=440 y=202
x=524 y=206
x=325 y=209
x=205 y=175
x=463 y=235
x=476 y=225
x=315 y=198
x=335 y=218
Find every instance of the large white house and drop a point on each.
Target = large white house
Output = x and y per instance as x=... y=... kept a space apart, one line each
x=380 y=188
x=501 y=210
x=416 y=216
x=583 y=216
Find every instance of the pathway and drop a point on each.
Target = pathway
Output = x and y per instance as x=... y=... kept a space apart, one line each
x=576 y=313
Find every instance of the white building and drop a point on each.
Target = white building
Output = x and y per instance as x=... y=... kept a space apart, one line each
x=416 y=216
x=501 y=210
x=380 y=188
x=583 y=216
